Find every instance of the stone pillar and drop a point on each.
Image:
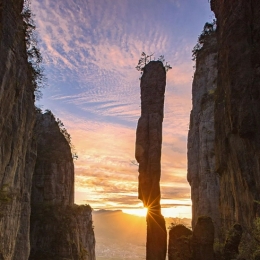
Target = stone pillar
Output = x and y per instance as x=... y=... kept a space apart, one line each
x=179 y=246
x=148 y=155
x=203 y=239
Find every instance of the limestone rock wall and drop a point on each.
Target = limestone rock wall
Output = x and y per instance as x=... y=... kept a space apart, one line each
x=203 y=239
x=237 y=124
x=53 y=178
x=224 y=136
x=148 y=155
x=197 y=245
x=62 y=232
x=17 y=148
x=20 y=140
x=202 y=175
x=59 y=228
x=179 y=245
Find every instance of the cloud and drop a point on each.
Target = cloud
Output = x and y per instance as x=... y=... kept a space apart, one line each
x=90 y=51
x=105 y=171
x=97 y=45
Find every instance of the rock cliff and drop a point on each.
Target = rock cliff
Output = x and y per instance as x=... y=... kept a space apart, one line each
x=202 y=175
x=17 y=148
x=224 y=136
x=59 y=229
x=179 y=245
x=197 y=245
x=53 y=178
x=148 y=155
x=62 y=232
x=237 y=124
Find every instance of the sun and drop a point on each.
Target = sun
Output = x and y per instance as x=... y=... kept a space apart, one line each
x=141 y=212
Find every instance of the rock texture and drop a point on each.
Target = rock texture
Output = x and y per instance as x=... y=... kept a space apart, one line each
x=232 y=242
x=148 y=155
x=179 y=246
x=202 y=175
x=54 y=215
x=62 y=232
x=17 y=148
x=53 y=178
x=257 y=255
x=237 y=124
x=197 y=245
x=203 y=239
x=231 y=148
x=59 y=229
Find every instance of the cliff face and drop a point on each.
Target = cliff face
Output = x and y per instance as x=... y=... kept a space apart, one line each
x=17 y=149
x=224 y=137
x=202 y=176
x=197 y=245
x=59 y=229
x=148 y=155
x=53 y=178
x=62 y=232
x=237 y=124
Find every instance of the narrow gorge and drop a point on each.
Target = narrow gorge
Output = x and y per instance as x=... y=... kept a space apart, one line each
x=39 y=219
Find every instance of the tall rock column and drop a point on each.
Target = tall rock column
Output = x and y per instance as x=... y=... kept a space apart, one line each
x=148 y=155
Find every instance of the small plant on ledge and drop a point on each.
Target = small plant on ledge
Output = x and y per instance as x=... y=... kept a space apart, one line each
x=145 y=59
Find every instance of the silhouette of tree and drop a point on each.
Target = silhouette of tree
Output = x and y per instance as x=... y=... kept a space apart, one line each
x=33 y=53
x=145 y=59
x=208 y=29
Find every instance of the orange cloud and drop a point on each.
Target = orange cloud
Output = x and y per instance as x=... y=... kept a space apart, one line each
x=90 y=52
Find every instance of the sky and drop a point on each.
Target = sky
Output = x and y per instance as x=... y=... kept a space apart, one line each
x=90 y=49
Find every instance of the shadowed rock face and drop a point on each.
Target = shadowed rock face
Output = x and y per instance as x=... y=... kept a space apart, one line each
x=18 y=154
x=224 y=137
x=148 y=155
x=237 y=124
x=232 y=242
x=179 y=247
x=53 y=178
x=197 y=245
x=202 y=175
x=257 y=255
x=17 y=148
x=203 y=239
x=59 y=228
x=62 y=232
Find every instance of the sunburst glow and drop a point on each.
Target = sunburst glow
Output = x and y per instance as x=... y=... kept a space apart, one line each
x=141 y=212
